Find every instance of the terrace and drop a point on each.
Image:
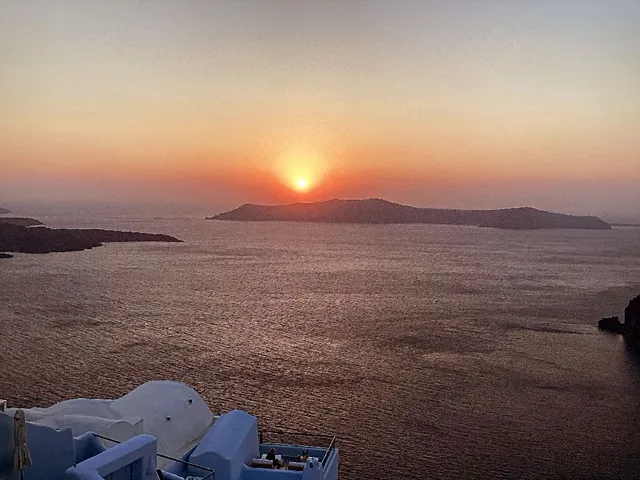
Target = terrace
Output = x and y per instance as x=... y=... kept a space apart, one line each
x=232 y=449
x=235 y=450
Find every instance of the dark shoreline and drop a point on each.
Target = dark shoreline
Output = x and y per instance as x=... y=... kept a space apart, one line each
x=17 y=238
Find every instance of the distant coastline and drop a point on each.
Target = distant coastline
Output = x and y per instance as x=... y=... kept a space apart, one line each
x=617 y=224
x=21 y=221
x=378 y=211
x=26 y=235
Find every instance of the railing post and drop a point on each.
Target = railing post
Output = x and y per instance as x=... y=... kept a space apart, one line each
x=332 y=446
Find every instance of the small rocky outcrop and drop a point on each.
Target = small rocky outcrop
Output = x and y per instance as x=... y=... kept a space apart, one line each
x=631 y=326
x=5 y=255
x=611 y=324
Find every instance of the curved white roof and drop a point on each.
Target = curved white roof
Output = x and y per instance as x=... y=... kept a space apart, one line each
x=172 y=412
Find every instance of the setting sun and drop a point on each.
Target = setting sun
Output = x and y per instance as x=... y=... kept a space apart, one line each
x=301 y=169
x=302 y=184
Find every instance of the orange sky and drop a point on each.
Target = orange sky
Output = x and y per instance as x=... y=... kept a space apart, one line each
x=224 y=102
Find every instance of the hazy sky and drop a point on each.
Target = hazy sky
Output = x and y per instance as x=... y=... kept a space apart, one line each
x=441 y=103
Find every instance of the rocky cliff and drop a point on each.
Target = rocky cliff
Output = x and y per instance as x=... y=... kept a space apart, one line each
x=631 y=326
x=632 y=320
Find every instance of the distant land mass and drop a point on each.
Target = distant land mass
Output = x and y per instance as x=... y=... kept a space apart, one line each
x=375 y=210
x=23 y=222
x=625 y=224
x=4 y=210
x=17 y=238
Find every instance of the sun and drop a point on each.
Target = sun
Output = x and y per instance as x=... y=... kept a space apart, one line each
x=302 y=183
x=300 y=170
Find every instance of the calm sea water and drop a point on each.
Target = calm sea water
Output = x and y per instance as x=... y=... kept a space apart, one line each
x=430 y=351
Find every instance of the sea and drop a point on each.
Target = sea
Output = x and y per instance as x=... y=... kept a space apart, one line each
x=429 y=351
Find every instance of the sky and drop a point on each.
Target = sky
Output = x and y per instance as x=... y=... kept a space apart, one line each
x=463 y=104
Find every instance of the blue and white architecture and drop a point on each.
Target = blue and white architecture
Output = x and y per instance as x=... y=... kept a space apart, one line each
x=161 y=430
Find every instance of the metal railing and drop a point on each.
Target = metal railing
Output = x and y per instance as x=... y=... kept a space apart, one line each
x=210 y=475
x=332 y=440
x=332 y=447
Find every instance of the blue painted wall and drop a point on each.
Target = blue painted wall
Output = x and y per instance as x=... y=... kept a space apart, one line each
x=52 y=451
x=134 y=459
x=229 y=444
x=330 y=469
x=87 y=445
x=269 y=474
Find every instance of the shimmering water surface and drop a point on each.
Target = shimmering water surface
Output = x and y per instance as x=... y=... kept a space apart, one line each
x=431 y=351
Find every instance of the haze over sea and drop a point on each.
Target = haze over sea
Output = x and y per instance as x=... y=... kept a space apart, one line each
x=430 y=351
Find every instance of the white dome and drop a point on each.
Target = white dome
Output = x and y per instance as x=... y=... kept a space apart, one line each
x=172 y=412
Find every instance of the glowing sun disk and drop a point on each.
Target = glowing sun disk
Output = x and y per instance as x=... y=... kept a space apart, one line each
x=302 y=183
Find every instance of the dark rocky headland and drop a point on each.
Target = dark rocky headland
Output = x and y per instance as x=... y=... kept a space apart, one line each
x=22 y=221
x=18 y=238
x=381 y=212
x=630 y=328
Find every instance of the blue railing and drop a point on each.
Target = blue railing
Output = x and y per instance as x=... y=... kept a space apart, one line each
x=210 y=475
x=290 y=438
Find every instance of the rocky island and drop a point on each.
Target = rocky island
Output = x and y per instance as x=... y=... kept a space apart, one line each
x=22 y=221
x=630 y=329
x=379 y=211
x=18 y=238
